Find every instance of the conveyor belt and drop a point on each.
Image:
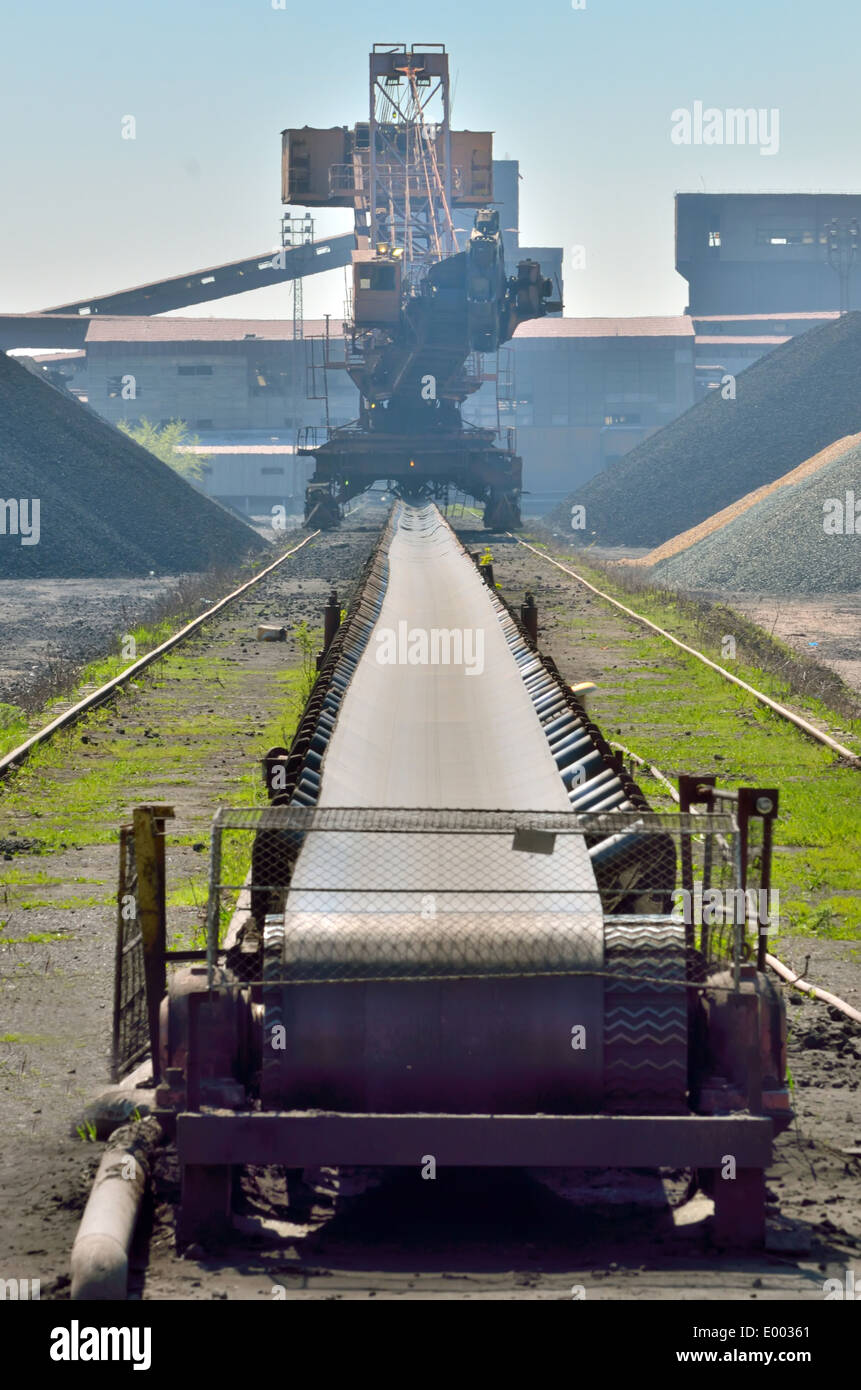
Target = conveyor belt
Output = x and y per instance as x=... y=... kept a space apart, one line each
x=440 y=736
x=429 y=734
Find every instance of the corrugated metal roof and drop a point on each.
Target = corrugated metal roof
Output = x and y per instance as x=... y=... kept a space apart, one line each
x=738 y=339
x=659 y=327
x=235 y=449
x=762 y=318
x=205 y=330
x=49 y=357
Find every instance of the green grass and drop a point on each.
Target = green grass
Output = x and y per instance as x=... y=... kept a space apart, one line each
x=72 y=904
x=31 y=878
x=15 y=722
x=247 y=790
x=72 y=795
x=678 y=714
x=35 y=938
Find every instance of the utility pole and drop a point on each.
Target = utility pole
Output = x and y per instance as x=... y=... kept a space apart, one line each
x=841 y=251
x=297 y=231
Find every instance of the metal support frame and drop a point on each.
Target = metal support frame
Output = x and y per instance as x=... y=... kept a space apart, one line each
x=406 y=210
x=148 y=823
x=314 y=1138
x=692 y=791
x=761 y=803
x=213 y=1145
x=751 y=803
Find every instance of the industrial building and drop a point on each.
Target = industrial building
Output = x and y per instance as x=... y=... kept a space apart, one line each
x=580 y=392
x=768 y=253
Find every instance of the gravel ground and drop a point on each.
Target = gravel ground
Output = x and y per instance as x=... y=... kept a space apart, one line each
x=107 y=507
x=827 y=628
x=484 y=1236
x=73 y=621
x=780 y=545
x=44 y=622
x=789 y=405
x=56 y=962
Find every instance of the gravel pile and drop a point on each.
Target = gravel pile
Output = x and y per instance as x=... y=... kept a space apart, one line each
x=789 y=405
x=727 y=514
x=780 y=545
x=107 y=507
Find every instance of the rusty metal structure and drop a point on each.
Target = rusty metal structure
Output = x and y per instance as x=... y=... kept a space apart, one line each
x=459 y=930
x=419 y=305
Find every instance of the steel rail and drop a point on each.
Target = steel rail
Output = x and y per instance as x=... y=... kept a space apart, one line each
x=853 y=758
x=13 y=760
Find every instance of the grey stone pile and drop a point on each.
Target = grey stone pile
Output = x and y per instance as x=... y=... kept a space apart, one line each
x=106 y=507
x=787 y=406
x=801 y=539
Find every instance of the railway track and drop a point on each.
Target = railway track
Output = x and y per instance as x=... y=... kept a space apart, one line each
x=93 y=699
x=456 y=885
x=788 y=715
x=390 y=738
x=14 y=759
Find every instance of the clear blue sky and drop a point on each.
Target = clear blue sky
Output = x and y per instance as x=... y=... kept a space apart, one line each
x=583 y=98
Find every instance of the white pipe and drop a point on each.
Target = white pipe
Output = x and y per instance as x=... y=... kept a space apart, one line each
x=100 y=1254
x=825 y=995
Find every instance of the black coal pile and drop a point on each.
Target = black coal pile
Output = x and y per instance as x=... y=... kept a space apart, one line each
x=790 y=404
x=800 y=539
x=82 y=500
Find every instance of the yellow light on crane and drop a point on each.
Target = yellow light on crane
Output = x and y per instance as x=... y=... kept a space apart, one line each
x=412 y=463
x=397 y=252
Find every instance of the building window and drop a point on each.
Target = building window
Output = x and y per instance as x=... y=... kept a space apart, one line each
x=770 y=236
x=714 y=237
x=203 y=424
x=378 y=277
x=265 y=380
x=193 y=369
x=273 y=470
x=621 y=419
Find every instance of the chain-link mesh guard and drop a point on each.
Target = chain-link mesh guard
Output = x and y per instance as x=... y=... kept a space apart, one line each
x=131 y=1043
x=399 y=894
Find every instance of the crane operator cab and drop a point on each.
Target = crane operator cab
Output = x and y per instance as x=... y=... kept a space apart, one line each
x=377 y=287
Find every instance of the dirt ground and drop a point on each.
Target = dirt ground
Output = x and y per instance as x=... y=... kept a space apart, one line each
x=56 y=962
x=827 y=627
x=471 y=1235
x=68 y=620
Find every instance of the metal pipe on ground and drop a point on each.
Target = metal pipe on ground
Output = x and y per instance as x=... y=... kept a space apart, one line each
x=825 y=995
x=100 y=1254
